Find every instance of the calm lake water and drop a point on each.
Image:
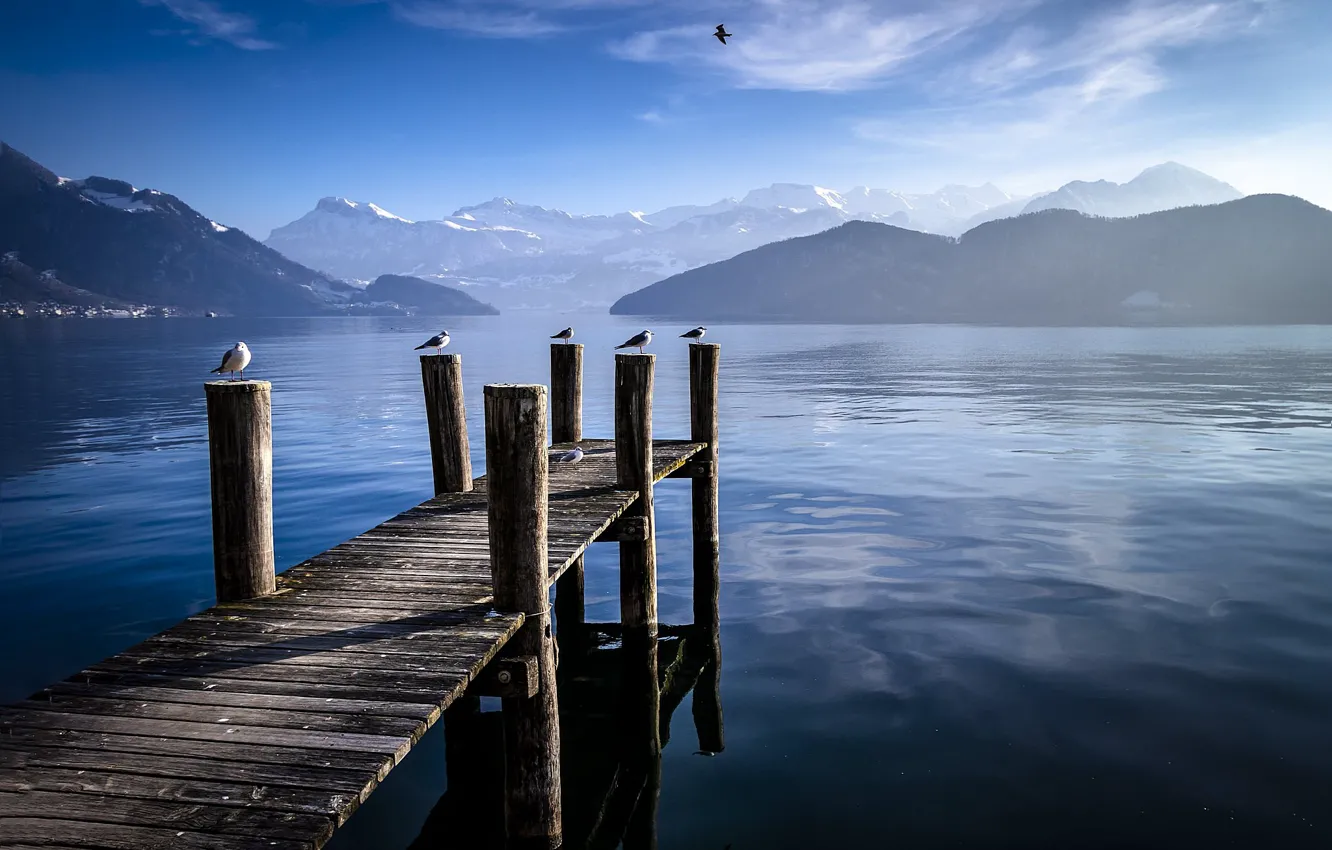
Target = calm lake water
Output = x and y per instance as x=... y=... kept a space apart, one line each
x=981 y=587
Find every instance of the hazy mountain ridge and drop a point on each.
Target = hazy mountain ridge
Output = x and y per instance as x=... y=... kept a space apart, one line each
x=520 y=255
x=1261 y=259
x=101 y=241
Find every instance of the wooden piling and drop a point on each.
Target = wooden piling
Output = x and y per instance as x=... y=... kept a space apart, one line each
x=566 y=426
x=704 y=359
x=240 y=466
x=566 y=393
x=633 y=468
x=446 y=417
x=517 y=488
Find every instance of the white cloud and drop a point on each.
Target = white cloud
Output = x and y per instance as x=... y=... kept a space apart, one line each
x=211 y=21
x=815 y=45
x=516 y=19
x=652 y=116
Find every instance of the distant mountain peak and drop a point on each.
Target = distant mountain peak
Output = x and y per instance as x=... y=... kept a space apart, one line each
x=342 y=206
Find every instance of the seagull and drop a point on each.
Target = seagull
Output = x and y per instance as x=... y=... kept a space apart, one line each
x=565 y=335
x=696 y=334
x=721 y=33
x=437 y=342
x=572 y=456
x=235 y=360
x=636 y=341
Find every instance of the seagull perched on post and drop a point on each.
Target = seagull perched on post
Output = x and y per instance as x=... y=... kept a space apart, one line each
x=695 y=335
x=721 y=33
x=565 y=335
x=636 y=341
x=235 y=360
x=437 y=342
x=572 y=456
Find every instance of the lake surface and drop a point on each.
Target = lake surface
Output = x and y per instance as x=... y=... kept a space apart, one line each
x=981 y=587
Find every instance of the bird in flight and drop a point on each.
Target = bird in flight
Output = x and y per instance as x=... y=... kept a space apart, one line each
x=721 y=33
x=437 y=342
x=235 y=360
x=636 y=341
x=565 y=334
x=696 y=334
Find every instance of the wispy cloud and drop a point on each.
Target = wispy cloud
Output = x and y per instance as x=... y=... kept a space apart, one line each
x=1080 y=87
x=209 y=20
x=516 y=19
x=651 y=116
x=816 y=45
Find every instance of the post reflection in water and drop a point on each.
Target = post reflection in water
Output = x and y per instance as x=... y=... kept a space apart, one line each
x=618 y=694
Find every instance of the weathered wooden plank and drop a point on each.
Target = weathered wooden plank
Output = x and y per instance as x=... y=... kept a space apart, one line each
x=44 y=758
x=301 y=738
x=509 y=678
x=226 y=820
x=153 y=786
x=223 y=698
x=109 y=707
x=58 y=832
x=290 y=759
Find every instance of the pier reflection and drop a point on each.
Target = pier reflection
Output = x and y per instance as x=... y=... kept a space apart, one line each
x=619 y=693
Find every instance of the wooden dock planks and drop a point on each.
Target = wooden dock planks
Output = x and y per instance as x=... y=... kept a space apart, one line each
x=265 y=723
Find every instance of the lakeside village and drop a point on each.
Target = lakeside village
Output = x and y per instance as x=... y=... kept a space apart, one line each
x=54 y=310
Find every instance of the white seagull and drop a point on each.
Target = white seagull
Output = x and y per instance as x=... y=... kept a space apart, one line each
x=572 y=456
x=235 y=360
x=565 y=335
x=636 y=341
x=437 y=342
x=696 y=334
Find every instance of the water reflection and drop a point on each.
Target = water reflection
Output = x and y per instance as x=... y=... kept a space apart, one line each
x=618 y=697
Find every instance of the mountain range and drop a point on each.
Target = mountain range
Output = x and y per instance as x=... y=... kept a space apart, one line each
x=1260 y=259
x=524 y=256
x=102 y=242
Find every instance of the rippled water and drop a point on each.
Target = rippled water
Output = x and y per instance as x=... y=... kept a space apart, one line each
x=982 y=587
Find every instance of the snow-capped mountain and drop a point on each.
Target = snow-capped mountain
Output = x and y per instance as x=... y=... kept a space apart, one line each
x=1158 y=188
x=519 y=255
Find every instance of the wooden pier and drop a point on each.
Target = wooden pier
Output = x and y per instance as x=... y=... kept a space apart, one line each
x=266 y=720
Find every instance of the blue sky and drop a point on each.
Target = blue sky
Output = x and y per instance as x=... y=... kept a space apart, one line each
x=251 y=110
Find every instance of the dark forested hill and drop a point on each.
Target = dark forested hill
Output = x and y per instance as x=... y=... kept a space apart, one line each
x=1260 y=259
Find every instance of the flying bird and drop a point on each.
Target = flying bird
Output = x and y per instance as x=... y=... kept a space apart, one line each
x=572 y=456
x=565 y=334
x=721 y=33
x=636 y=341
x=235 y=360
x=437 y=342
x=696 y=334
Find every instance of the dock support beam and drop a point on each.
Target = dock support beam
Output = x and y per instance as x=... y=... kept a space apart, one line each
x=704 y=360
x=566 y=426
x=240 y=466
x=446 y=417
x=518 y=487
x=633 y=471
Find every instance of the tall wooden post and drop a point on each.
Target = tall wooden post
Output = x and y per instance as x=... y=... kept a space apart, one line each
x=240 y=466
x=566 y=426
x=446 y=417
x=633 y=471
x=518 y=490
x=704 y=359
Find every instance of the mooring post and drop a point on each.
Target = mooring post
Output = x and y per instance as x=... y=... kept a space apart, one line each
x=446 y=417
x=240 y=467
x=633 y=471
x=704 y=359
x=517 y=494
x=566 y=426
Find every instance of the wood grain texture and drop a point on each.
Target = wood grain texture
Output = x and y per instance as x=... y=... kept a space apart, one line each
x=566 y=393
x=446 y=418
x=634 y=472
x=517 y=469
x=240 y=465
x=298 y=703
